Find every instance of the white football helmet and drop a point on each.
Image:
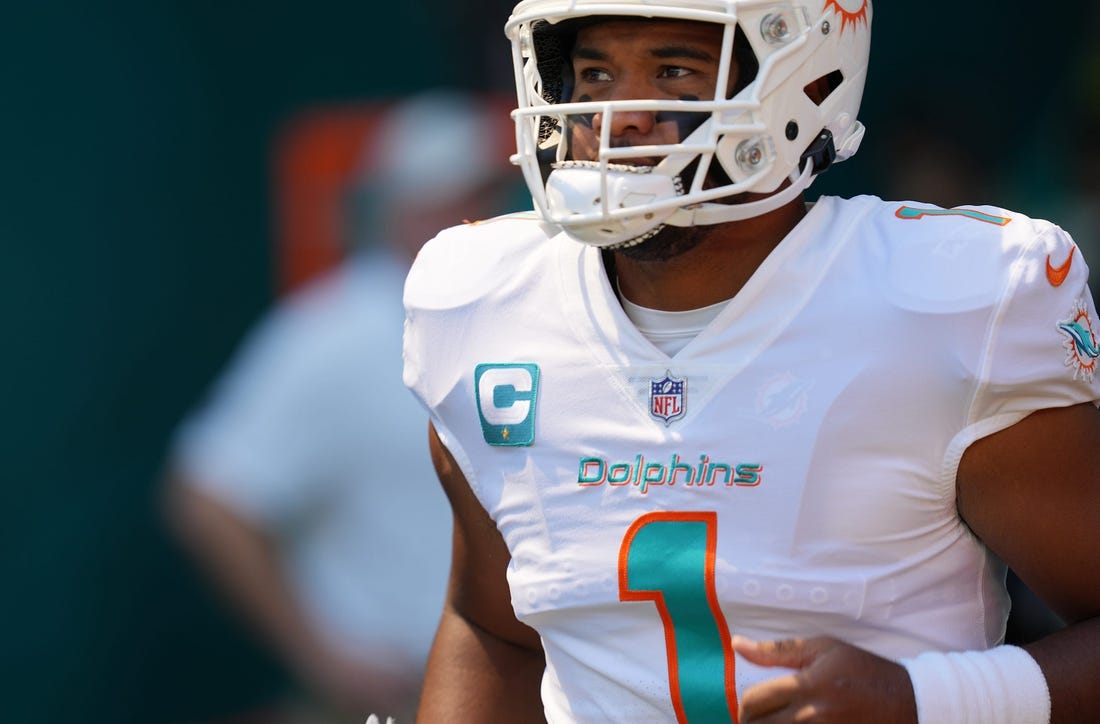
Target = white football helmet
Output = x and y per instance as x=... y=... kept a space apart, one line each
x=770 y=132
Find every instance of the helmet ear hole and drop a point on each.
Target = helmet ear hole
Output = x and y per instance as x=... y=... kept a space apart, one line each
x=820 y=89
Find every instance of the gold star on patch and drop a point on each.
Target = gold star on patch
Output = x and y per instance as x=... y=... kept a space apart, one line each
x=504 y=433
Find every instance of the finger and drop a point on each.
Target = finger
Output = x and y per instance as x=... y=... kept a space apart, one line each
x=791 y=653
x=768 y=697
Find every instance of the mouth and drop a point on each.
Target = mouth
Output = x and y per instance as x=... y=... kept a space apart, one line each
x=633 y=162
x=639 y=161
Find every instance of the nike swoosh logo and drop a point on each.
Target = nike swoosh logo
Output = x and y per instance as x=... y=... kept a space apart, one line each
x=1057 y=275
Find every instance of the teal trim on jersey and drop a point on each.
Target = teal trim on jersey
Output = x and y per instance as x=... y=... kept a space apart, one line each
x=506 y=398
x=908 y=212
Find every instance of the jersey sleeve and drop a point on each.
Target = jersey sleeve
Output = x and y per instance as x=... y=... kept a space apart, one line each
x=456 y=277
x=437 y=289
x=1041 y=348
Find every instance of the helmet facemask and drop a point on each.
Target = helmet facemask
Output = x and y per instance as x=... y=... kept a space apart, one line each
x=729 y=161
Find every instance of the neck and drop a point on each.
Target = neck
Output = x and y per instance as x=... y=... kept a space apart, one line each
x=711 y=270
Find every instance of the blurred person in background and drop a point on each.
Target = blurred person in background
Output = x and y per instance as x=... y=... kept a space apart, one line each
x=301 y=486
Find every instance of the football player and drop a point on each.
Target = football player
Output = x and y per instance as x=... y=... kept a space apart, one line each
x=716 y=454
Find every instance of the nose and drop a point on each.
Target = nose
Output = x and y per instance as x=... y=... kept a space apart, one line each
x=627 y=122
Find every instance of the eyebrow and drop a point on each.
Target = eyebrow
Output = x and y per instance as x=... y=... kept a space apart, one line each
x=681 y=51
x=664 y=53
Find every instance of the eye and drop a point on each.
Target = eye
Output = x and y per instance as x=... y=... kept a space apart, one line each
x=675 y=71
x=593 y=75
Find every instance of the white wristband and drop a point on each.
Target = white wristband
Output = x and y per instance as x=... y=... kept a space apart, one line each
x=1003 y=685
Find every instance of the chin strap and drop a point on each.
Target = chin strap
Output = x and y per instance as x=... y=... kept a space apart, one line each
x=575 y=188
x=817 y=158
x=711 y=213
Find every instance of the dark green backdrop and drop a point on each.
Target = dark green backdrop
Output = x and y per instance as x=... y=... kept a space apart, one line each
x=135 y=222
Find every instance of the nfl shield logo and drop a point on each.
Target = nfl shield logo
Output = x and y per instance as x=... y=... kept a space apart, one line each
x=666 y=398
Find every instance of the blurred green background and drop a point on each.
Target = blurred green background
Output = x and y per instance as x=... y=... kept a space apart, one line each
x=136 y=220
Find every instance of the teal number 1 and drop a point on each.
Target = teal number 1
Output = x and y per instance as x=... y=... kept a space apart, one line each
x=668 y=558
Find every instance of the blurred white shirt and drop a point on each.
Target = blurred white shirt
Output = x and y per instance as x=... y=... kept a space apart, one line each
x=312 y=434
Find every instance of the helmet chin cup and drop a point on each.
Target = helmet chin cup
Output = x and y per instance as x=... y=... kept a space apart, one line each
x=612 y=205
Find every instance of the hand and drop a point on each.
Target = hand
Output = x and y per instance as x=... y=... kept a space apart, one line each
x=834 y=682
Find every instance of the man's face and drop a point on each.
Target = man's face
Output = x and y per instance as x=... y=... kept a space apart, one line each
x=642 y=59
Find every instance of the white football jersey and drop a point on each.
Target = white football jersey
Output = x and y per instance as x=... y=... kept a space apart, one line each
x=790 y=472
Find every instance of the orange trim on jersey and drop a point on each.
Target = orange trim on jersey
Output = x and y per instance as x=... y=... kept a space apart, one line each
x=710 y=518
x=528 y=215
x=910 y=213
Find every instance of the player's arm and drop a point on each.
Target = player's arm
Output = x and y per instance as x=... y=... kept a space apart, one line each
x=243 y=560
x=1032 y=494
x=485 y=666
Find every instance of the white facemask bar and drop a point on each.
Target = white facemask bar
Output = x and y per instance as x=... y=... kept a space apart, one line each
x=700 y=208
